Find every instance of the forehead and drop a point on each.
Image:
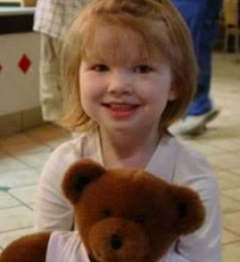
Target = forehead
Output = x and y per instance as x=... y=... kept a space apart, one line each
x=120 y=44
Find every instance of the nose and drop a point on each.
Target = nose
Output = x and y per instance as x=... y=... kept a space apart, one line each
x=116 y=241
x=120 y=83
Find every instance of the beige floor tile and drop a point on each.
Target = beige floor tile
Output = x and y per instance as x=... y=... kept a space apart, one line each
x=18 y=178
x=31 y=147
x=231 y=252
x=16 y=139
x=233 y=193
x=7 y=201
x=229 y=237
x=235 y=171
x=24 y=194
x=8 y=237
x=229 y=205
x=227 y=180
x=8 y=163
x=225 y=161
x=33 y=160
x=15 y=218
x=46 y=133
x=230 y=144
x=231 y=222
x=203 y=148
x=227 y=123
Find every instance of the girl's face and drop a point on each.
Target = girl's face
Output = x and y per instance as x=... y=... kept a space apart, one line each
x=125 y=91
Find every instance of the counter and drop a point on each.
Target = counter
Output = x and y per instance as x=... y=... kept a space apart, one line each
x=6 y=11
x=19 y=67
x=16 y=19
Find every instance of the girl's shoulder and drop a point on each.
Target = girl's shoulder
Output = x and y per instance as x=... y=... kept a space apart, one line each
x=81 y=145
x=180 y=150
x=85 y=145
x=173 y=159
x=190 y=156
x=192 y=168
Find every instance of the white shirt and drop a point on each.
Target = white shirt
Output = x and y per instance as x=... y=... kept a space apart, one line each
x=171 y=161
x=66 y=247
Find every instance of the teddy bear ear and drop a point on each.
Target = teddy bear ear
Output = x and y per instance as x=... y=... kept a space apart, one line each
x=190 y=210
x=78 y=175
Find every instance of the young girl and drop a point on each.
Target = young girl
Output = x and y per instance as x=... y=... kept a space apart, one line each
x=130 y=73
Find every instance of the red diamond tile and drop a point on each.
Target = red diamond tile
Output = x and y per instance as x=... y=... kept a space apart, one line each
x=24 y=63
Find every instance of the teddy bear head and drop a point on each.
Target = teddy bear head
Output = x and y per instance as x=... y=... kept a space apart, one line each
x=129 y=215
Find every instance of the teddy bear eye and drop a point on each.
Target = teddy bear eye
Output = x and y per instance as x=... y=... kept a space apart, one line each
x=139 y=219
x=107 y=212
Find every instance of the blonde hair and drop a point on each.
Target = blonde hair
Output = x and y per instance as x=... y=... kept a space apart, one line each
x=158 y=30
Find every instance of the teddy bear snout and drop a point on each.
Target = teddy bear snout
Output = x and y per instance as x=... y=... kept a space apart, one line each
x=116 y=241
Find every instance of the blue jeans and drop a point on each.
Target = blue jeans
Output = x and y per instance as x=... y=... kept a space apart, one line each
x=201 y=17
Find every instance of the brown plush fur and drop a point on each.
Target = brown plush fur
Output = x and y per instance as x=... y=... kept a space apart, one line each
x=123 y=215
x=28 y=249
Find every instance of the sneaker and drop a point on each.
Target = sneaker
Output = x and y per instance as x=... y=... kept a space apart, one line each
x=194 y=125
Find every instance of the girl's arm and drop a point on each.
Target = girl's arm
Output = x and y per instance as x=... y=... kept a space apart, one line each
x=53 y=211
x=204 y=244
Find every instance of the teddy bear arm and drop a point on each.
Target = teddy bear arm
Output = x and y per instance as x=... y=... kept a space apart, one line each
x=29 y=248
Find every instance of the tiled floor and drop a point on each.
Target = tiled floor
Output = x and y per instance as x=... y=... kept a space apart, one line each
x=23 y=155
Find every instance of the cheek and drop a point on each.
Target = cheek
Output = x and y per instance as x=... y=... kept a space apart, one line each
x=85 y=86
x=85 y=94
x=159 y=88
x=84 y=99
x=157 y=97
x=165 y=85
x=89 y=94
x=90 y=87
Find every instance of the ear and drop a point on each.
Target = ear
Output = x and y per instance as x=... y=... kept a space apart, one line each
x=190 y=210
x=78 y=175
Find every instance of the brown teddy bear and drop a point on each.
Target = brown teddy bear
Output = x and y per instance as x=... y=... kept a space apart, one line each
x=122 y=215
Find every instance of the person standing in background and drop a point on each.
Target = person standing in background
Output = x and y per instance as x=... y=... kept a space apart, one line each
x=51 y=19
x=202 y=17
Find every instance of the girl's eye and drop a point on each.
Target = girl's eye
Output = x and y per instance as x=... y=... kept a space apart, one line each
x=143 y=69
x=100 y=68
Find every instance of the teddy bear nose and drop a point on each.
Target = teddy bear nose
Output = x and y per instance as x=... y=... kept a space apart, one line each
x=116 y=242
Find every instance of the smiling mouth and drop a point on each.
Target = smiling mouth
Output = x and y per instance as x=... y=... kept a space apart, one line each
x=121 y=109
x=120 y=106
